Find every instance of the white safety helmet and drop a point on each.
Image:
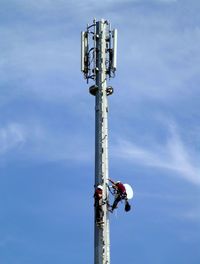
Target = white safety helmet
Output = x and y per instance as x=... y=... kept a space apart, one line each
x=100 y=187
x=117 y=181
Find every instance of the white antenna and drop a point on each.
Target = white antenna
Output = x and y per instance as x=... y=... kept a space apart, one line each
x=114 y=61
x=84 y=51
x=98 y=62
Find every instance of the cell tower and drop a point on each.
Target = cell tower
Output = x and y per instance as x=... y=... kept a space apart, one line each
x=98 y=63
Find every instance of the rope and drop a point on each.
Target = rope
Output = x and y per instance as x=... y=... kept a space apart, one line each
x=113 y=193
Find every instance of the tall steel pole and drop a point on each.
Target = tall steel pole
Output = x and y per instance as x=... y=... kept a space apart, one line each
x=98 y=63
x=102 y=241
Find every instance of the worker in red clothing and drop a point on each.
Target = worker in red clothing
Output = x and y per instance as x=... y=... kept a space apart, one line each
x=120 y=194
x=98 y=201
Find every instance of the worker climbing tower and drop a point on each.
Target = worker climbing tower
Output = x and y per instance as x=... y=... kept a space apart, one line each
x=98 y=63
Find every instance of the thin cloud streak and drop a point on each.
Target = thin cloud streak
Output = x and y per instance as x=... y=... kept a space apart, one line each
x=173 y=155
x=40 y=143
x=192 y=215
x=11 y=136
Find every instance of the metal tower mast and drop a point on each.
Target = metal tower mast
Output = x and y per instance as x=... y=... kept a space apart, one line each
x=98 y=62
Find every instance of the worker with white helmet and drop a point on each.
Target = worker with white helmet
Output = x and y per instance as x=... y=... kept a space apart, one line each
x=120 y=194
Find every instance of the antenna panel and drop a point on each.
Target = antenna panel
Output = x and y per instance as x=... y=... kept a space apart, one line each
x=84 y=49
x=114 y=61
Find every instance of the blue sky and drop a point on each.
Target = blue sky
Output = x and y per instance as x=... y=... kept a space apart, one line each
x=47 y=131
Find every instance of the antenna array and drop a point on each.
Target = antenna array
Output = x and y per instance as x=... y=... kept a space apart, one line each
x=89 y=51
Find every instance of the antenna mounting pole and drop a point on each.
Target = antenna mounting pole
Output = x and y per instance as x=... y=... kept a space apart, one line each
x=98 y=62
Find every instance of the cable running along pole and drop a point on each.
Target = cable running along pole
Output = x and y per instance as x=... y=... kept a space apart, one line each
x=98 y=63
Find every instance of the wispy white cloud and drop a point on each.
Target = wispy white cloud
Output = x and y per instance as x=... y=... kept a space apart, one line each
x=164 y=1
x=37 y=67
x=35 y=141
x=163 y=60
x=11 y=136
x=192 y=214
x=173 y=155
